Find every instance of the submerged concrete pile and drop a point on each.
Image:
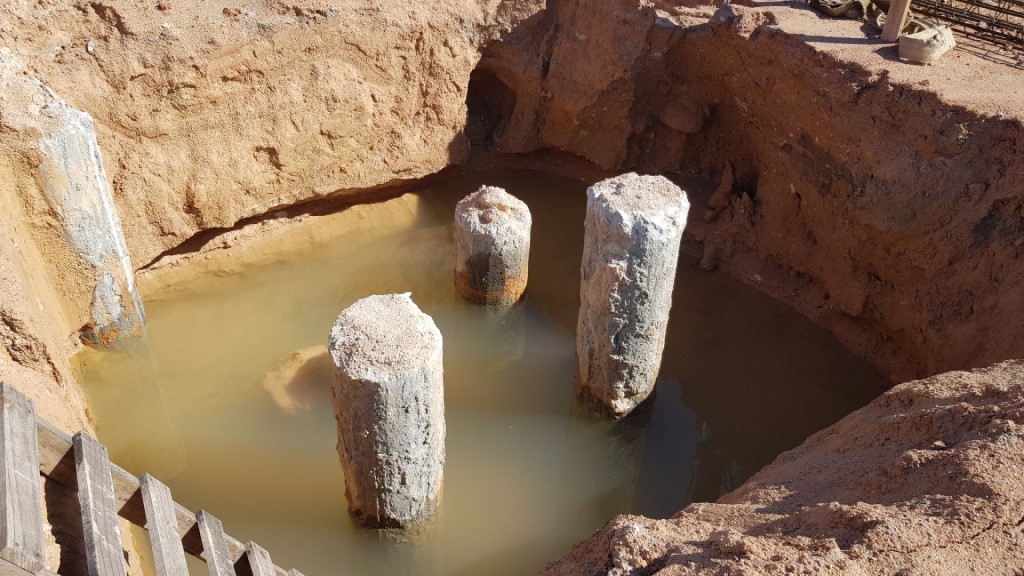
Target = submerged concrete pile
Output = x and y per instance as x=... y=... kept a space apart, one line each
x=492 y=247
x=389 y=405
x=633 y=229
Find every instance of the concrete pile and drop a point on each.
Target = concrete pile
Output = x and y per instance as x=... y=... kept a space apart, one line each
x=388 y=400
x=388 y=391
x=633 y=229
x=492 y=247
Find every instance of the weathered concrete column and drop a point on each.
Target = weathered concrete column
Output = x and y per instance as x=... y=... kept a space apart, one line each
x=633 y=228
x=389 y=405
x=86 y=229
x=492 y=246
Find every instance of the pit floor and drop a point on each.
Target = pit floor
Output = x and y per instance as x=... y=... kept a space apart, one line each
x=208 y=402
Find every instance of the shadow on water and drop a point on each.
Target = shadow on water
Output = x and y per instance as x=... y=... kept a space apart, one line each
x=242 y=368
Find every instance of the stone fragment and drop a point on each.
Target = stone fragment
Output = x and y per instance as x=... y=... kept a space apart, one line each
x=389 y=405
x=720 y=197
x=492 y=246
x=633 y=228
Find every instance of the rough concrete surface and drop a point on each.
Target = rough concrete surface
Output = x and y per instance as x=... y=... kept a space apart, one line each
x=78 y=197
x=633 y=228
x=389 y=404
x=492 y=247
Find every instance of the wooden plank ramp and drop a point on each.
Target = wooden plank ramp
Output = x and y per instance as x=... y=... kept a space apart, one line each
x=30 y=446
x=162 y=524
x=21 y=530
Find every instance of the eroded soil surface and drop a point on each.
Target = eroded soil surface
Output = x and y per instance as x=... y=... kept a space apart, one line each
x=924 y=480
x=882 y=200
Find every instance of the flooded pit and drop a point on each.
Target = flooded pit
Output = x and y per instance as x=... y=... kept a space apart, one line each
x=227 y=396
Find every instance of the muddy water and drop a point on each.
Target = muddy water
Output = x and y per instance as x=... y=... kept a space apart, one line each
x=212 y=401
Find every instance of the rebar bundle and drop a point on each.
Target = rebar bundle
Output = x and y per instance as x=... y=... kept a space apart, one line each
x=996 y=22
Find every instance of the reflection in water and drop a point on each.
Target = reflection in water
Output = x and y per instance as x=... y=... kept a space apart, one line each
x=150 y=427
x=233 y=372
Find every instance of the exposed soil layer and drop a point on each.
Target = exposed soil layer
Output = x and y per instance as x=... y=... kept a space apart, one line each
x=209 y=113
x=879 y=198
x=924 y=480
x=883 y=200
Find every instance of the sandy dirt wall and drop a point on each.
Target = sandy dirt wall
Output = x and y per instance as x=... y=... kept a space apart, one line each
x=881 y=199
x=896 y=211
x=208 y=113
x=924 y=480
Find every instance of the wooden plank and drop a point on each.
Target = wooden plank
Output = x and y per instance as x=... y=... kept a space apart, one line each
x=56 y=457
x=215 y=546
x=259 y=560
x=57 y=461
x=21 y=497
x=235 y=549
x=104 y=553
x=894 y=19
x=162 y=524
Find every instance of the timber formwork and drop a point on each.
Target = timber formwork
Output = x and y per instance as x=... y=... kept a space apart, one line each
x=32 y=450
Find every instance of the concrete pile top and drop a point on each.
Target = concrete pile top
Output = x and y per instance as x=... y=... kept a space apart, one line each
x=491 y=208
x=381 y=336
x=632 y=197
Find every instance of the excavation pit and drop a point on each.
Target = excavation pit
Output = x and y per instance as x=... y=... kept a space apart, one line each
x=528 y=472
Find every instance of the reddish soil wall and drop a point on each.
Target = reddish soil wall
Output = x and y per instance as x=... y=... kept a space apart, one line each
x=859 y=195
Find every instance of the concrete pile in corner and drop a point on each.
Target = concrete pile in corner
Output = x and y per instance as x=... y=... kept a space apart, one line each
x=86 y=234
x=634 y=225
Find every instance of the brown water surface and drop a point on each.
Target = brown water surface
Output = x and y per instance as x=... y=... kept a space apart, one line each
x=210 y=401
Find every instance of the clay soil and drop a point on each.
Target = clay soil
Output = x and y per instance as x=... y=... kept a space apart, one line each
x=883 y=200
x=924 y=480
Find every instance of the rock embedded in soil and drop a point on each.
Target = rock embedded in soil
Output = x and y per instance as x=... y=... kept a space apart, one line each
x=299 y=380
x=492 y=246
x=633 y=228
x=389 y=405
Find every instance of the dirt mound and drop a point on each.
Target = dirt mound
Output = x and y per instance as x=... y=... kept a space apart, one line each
x=924 y=480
